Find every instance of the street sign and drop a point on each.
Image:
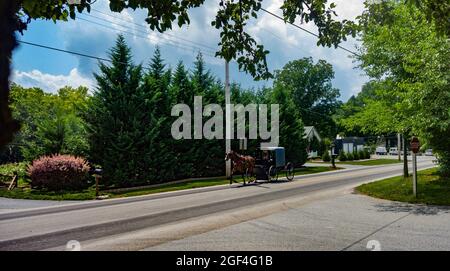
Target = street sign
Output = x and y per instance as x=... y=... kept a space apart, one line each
x=415 y=145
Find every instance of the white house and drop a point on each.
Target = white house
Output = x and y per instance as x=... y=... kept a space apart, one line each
x=310 y=134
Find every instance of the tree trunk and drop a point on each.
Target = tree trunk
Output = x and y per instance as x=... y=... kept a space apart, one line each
x=8 y=26
x=405 y=158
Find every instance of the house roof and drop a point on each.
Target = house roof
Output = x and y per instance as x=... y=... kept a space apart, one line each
x=311 y=131
x=270 y=148
x=354 y=139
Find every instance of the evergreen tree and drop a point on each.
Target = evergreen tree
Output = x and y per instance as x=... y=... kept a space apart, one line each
x=206 y=154
x=201 y=77
x=291 y=127
x=181 y=91
x=117 y=119
x=156 y=92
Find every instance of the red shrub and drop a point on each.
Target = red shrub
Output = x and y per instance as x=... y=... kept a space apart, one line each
x=59 y=172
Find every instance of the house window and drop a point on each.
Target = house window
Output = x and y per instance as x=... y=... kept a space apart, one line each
x=348 y=147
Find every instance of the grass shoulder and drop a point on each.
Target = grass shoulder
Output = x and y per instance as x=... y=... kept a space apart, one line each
x=371 y=162
x=432 y=189
x=206 y=183
x=25 y=192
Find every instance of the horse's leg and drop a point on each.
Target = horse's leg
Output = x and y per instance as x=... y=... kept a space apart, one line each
x=231 y=174
x=252 y=172
x=243 y=177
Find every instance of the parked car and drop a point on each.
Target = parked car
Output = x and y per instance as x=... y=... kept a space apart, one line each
x=380 y=151
x=393 y=151
x=429 y=152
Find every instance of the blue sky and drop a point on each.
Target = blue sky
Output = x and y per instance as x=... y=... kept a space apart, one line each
x=51 y=70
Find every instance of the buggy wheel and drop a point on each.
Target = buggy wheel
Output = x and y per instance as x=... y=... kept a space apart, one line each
x=273 y=174
x=289 y=172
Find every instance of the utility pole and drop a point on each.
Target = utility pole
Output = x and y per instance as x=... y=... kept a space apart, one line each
x=227 y=118
x=399 y=146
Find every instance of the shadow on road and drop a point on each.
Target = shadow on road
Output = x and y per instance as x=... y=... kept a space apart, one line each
x=419 y=209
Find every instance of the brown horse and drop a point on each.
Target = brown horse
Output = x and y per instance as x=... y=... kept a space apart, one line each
x=241 y=163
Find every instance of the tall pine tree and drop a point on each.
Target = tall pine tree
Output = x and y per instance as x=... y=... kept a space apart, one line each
x=291 y=127
x=207 y=154
x=182 y=92
x=156 y=90
x=116 y=120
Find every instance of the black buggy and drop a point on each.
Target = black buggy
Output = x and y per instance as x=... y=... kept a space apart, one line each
x=270 y=161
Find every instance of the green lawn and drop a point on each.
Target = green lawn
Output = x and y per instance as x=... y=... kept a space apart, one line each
x=372 y=162
x=24 y=192
x=431 y=188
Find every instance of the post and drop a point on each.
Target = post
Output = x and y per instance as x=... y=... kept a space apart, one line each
x=332 y=155
x=399 y=146
x=414 y=167
x=227 y=118
x=96 y=185
x=415 y=147
x=405 y=158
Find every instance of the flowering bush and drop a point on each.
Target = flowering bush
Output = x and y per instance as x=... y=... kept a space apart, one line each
x=59 y=172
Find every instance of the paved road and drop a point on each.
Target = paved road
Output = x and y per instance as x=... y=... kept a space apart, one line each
x=150 y=221
x=345 y=222
x=11 y=205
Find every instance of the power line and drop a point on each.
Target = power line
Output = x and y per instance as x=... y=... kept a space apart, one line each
x=170 y=43
x=66 y=51
x=71 y=52
x=281 y=39
x=305 y=30
x=146 y=27
x=208 y=49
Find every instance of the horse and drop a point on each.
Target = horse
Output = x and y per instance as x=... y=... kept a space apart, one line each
x=241 y=163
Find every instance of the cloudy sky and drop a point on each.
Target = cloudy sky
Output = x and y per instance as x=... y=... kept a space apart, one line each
x=95 y=33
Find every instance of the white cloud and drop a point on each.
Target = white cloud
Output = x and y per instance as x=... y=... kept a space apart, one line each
x=50 y=82
x=349 y=9
x=285 y=42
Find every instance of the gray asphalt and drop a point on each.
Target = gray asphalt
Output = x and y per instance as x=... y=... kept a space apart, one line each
x=119 y=224
x=11 y=205
x=346 y=222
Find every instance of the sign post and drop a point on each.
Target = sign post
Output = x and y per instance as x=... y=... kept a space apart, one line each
x=332 y=155
x=415 y=146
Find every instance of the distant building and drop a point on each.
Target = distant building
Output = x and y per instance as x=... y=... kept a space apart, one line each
x=349 y=144
x=311 y=132
x=313 y=137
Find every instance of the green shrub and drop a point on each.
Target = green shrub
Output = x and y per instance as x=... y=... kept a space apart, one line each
x=326 y=156
x=13 y=168
x=342 y=157
x=444 y=164
x=366 y=154
x=59 y=172
x=350 y=156
x=356 y=156
x=362 y=155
